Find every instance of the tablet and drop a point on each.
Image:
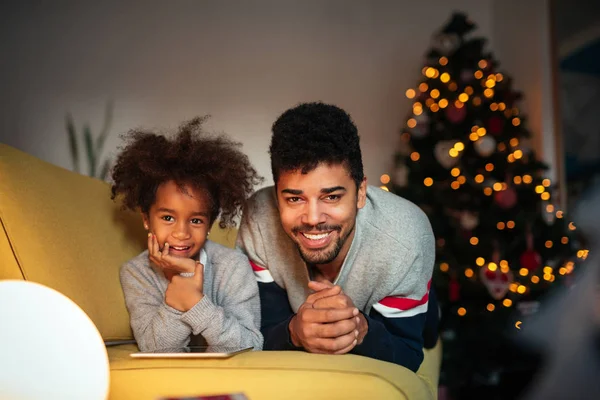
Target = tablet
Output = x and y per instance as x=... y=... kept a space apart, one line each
x=192 y=352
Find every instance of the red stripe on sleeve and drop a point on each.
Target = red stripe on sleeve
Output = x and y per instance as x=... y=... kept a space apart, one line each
x=406 y=304
x=256 y=267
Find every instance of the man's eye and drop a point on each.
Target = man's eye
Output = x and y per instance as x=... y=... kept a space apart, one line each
x=168 y=218
x=333 y=197
x=293 y=199
x=197 y=221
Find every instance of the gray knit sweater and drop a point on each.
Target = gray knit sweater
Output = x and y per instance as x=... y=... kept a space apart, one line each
x=228 y=315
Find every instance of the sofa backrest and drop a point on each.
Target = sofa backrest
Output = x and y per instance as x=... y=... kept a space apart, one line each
x=62 y=230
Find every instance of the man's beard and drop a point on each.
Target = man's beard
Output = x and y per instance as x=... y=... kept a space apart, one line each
x=324 y=256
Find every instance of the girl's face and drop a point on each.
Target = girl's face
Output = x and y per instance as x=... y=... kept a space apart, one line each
x=180 y=218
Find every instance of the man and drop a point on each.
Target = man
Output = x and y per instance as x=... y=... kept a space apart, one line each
x=342 y=267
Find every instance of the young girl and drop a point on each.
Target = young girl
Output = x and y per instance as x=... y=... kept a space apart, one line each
x=186 y=290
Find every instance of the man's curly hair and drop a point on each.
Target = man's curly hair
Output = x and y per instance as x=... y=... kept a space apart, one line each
x=212 y=164
x=314 y=133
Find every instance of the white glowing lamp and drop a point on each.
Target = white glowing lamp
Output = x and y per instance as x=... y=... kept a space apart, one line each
x=50 y=349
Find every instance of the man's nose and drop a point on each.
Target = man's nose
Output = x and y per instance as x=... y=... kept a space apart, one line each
x=314 y=215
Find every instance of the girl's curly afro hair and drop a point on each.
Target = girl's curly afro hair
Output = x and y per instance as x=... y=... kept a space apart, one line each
x=213 y=164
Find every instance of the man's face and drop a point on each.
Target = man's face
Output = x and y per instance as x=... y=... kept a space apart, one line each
x=180 y=218
x=318 y=211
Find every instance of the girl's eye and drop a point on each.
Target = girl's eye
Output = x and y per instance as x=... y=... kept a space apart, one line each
x=197 y=221
x=168 y=218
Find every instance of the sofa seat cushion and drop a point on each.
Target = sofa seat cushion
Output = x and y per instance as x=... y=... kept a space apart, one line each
x=263 y=375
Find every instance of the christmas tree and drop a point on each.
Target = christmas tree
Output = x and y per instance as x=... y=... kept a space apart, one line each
x=466 y=159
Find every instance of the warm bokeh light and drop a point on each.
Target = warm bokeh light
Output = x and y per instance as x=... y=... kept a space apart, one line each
x=410 y=93
x=480 y=261
x=474 y=240
x=462 y=311
x=507 y=302
x=490 y=307
x=469 y=273
x=428 y=181
x=415 y=156
x=539 y=189
x=444 y=267
x=385 y=179
x=500 y=225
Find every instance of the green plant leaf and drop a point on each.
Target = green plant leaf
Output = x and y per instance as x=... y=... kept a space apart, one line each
x=73 y=147
x=89 y=149
x=108 y=115
x=104 y=170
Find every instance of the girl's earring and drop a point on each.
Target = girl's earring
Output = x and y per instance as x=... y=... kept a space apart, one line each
x=146 y=226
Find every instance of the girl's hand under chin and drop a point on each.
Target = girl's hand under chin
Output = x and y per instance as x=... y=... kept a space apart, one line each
x=168 y=263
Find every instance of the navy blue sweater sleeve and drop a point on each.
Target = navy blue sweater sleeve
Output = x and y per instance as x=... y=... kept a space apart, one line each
x=276 y=314
x=397 y=340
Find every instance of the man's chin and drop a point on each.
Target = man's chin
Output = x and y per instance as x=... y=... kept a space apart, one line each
x=324 y=256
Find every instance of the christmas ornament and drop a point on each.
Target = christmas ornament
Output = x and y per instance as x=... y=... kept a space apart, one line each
x=401 y=176
x=469 y=220
x=466 y=76
x=496 y=282
x=453 y=289
x=548 y=217
x=422 y=128
x=495 y=125
x=441 y=153
x=506 y=199
x=456 y=115
x=530 y=259
x=485 y=146
x=446 y=43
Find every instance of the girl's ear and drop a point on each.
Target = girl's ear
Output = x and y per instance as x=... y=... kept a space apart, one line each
x=145 y=218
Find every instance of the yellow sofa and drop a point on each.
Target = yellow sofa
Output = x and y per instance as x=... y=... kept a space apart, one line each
x=62 y=230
